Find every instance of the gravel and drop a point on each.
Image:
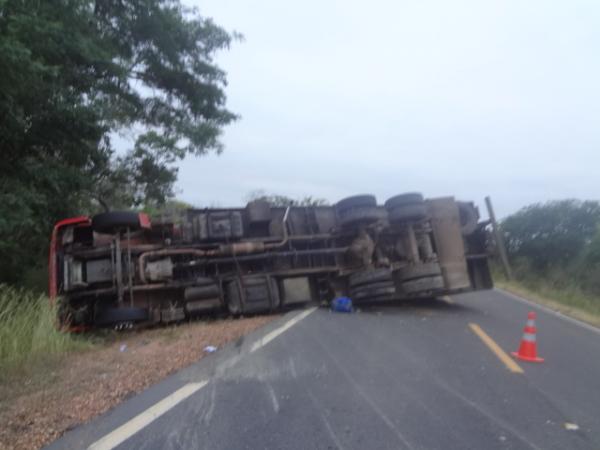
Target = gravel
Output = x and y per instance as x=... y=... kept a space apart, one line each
x=41 y=404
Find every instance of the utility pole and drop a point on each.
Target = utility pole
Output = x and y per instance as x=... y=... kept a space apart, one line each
x=499 y=239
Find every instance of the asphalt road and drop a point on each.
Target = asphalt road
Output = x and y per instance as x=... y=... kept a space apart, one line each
x=409 y=376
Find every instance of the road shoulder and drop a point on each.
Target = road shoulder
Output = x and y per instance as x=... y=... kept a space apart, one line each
x=44 y=402
x=576 y=315
x=199 y=372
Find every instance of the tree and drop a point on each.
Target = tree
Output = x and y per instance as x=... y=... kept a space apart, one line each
x=552 y=234
x=282 y=200
x=74 y=73
x=171 y=209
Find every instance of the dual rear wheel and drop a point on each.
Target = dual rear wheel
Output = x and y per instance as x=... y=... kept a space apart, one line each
x=359 y=210
x=372 y=285
x=363 y=209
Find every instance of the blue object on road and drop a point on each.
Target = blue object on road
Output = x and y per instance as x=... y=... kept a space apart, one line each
x=341 y=304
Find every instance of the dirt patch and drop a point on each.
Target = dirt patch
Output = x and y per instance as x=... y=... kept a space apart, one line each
x=39 y=406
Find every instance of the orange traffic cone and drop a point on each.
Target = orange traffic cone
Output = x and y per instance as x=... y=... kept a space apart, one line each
x=528 y=348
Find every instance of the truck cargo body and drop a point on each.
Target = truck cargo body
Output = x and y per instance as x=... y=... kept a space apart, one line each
x=121 y=268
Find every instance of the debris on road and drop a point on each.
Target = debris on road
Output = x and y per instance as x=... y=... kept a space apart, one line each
x=341 y=304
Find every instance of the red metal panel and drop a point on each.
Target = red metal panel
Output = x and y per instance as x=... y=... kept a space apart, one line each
x=144 y=220
x=54 y=246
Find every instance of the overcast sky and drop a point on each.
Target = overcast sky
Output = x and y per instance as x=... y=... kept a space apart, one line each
x=464 y=98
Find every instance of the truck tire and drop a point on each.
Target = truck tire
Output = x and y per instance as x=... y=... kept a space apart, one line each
x=377 y=285
x=369 y=277
x=372 y=290
x=111 y=316
x=422 y=270
x=410 y=198
x=374 y=293
x=423 y=285
x=355 y=201
x=361 y=215
x=408 y=213
x=110 y=222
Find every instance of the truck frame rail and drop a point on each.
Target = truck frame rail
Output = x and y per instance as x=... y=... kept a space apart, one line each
x=121 y=268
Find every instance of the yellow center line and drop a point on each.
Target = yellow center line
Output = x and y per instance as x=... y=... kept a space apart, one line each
x=495 y=348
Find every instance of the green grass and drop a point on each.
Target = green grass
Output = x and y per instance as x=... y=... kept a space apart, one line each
x=566 y=297
x=28 y=332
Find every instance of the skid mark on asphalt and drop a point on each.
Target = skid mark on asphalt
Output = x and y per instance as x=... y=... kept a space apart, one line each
x=434 y=418
x=293 y=368
x=320 y=408
x=276 y=332
x=443 y=386
x=273 y=397
x=211 y=407
x=495 y=349
x=358 y=388
x=128 y=429
x=491 y=417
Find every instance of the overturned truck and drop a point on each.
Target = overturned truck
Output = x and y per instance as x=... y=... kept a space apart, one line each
x=123 y=269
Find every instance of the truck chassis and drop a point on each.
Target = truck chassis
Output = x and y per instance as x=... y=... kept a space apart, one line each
x=122 y=269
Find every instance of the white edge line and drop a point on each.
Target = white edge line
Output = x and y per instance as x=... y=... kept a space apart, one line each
x=551 y=311
x=277 y=331
x=128 y=429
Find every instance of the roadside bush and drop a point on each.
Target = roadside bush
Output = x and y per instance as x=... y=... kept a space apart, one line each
x=555 y=247
x=589 y=266
x=28 y=329
x=552 y=234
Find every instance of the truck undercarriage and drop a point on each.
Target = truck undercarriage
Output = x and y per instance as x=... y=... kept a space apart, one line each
x=121 y=269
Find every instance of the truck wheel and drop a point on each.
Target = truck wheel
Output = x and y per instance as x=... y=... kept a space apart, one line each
x=361 y=215
x=422 y=270
x=374 y=293
x=423 y=285
x=355 y=201
x=368 y=291
x=407 y=213
x=369 y=277
x=111 y=316
x=110 y=222
x=411 y=198
x=406 y=207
